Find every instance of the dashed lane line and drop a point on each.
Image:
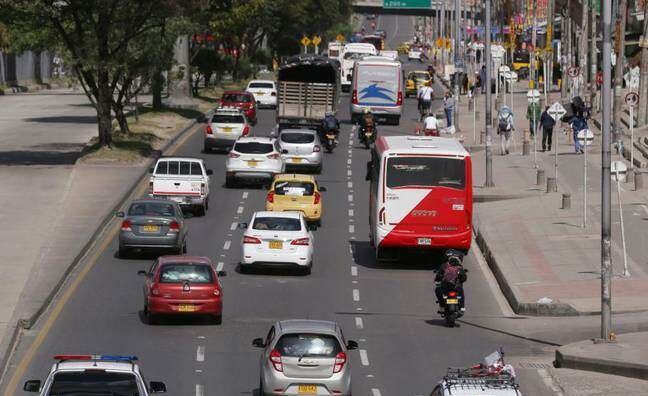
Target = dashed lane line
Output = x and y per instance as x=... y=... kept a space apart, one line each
x=354 y=270
x=358 y=322
x=200 y=353
x=219 y=266
x=245 y=195
x=349 y=172
x=356 y=295
x=350 y=184
x=350 y=197
x=233 y=226
x=375 y=392
x=363 y=357
x=227 y=245
x=239 y=210
x=200 y=390
x=350 y=212
x=351 y=228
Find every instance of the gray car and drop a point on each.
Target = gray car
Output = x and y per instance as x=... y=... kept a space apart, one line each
x=303 y=149
x=152 y=224
x=302 y=357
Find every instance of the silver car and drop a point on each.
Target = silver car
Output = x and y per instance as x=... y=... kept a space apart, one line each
x=305 y=357
x=303 y=149
x=152 y=224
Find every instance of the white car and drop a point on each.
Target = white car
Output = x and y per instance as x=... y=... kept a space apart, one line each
x=277 y=239
x=414 y=54
x=303 y=149
x=253 y=159
x=264 y=91
x=227 y=125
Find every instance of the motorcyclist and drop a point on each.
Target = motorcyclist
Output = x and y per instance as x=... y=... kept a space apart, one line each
x=330 y=124
x=368 y=123
x=451 y=277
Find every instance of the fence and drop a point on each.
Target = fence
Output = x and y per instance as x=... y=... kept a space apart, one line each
x=18 y=69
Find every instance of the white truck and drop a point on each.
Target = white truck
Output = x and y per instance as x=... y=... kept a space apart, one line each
x=183 y=180
x=353 y=52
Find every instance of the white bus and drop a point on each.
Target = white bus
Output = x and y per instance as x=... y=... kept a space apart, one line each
x=353 y=52
x=377 y=84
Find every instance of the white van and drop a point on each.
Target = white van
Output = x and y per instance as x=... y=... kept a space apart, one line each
x=377 y=84
x=335 y=49
x=353 y=52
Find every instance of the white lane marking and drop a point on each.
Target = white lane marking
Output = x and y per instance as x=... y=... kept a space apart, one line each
x=229 y=235
x=350 y=151
x=349 y=161
x=198 y=371
x=350 y=184
x=239 y=210
x=375 y=392
x=200 y=353
x=227 y=244
x=200 y=390
x=359 y=324
x=350 y=212
x=359 y=309
x=219 y=266
x=363 y=357
x=245 y=195
x=233 y=226
x=354 y=270
x=549 y=382
x=355 y=282
x=350 y=197
x=351 y=228
x=349 y=172
x=356 y=295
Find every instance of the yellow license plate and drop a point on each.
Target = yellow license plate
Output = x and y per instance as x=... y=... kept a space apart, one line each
x=253 y=163
x=296 y=160
x=151 y=228
x=186 y=308
x=452 y=301
x=227 y=129
x=307 y=389
x=260 y=93
x=275 y=245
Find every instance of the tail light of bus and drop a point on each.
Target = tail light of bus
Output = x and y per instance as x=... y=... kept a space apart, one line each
x=399 y=99
x=316 y=198
x=354 y=97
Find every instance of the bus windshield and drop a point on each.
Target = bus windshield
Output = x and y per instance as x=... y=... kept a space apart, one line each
x=425 y=172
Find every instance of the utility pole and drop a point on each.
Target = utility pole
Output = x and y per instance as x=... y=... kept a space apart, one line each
x=565 y=22
x=457 y=59
x=533 y=81
x=618 y=70
x=606 y=259
x=593 y=61
x=443 y=34
x=549 y=47
x=642 y=114
x=488 y=115
x=583 y=46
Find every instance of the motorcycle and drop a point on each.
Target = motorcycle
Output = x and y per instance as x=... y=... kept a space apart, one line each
x=368 y=135
x=451 y=309
x=330 y=142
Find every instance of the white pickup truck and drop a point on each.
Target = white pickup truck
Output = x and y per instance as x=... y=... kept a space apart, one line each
x=183 y=180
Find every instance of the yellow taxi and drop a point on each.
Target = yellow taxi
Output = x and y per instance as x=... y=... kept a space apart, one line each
x=294 y=192
x=415 y=80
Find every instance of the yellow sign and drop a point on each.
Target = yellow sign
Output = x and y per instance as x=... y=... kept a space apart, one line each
x=439 y=43
x=305 y=41
x=447 y=43
x=316 y=40
x=339 y=38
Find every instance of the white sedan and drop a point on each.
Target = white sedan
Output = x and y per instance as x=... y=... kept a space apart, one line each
x=277 y=239
x=253 y=159
x=264 y=91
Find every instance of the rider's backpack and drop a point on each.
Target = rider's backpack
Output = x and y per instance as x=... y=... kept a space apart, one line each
x=451 y=275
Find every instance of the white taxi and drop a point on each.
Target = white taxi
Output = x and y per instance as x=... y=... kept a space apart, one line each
x=254 y=159
x=264 y=91
x=226 y=125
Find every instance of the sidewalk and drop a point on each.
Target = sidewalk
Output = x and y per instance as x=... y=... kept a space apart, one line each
x=545 y=263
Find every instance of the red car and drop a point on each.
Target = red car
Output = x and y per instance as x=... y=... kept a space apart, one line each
x=241 y=100
x=182 y=285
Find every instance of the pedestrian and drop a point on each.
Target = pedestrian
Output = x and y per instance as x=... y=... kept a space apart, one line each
x=448 y=107
x=482 y=78
x=464 y=83
x=533 y=115
x=548 y=124
x=578 y=124
x=425 y=94
x=478 y=83
x=505 y=127
x=479 y=53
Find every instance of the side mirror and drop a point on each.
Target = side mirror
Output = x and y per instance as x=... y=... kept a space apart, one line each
x=157 y=387
x=32 y=386
x=258 y=342
x=119 y=214
x=142 y=273
x=151 y=170
x=284 y=151
x=322 y=189
x=352 y=345
x=242 y=226
x=210 y=172
x=221 y=273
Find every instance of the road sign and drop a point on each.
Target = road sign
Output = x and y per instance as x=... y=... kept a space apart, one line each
x=316 y=40
x=511 y=76
x=426 y=4
x=504 y=69
x=618 y=171
x=632 y=99
x=533 y=96
x=557 y=111
x=339 y=38
x=305 y=41
x=573 y=71
x=585 y=137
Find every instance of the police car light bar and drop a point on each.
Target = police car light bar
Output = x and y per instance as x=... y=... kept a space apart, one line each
x=111 y=358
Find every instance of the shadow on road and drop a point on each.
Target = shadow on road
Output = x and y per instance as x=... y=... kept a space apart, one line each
x=39 y=157
x=65 y=120
x=364 y=255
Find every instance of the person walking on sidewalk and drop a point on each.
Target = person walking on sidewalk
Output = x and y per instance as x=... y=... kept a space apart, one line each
x=533 y=115
x=448 y=107
x=482 y=78
x=548 y=124
x=505 y=127
x=425 y=94
x=578 y=124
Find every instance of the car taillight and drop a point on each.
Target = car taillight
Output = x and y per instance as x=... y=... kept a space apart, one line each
x=273 y=156
x=354 y=96
x=273 y=94
x=340 y=360
x=233 y=154
x=317 y=149
x=317 y=198
x=252 y=240
x=246 y=130
x=270 y=197
x=174 y=226
x=155 y=292
x=452 y=294
x=208 y=130
x=217 y=292
x=399 y=99
x=203 y=187
x=300 y=242
x=150 y=187
x=275 y=359
x=126 y=225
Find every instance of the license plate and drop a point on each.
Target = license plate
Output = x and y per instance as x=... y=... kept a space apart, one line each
x=227 y=129
x=186 y=308
x=367 y=134
x=253 y=163
x=296 y=160
x=307 y=389
x=452 y=301
x=260 y=93
x=151 y=228
x=330 y=136
x=275 y=245
x=424 y=241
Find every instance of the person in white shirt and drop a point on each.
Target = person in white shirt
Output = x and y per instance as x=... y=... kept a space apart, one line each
x=431 y=125
x=425 y=94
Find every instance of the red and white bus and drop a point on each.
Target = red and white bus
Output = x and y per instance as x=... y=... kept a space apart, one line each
x=420 y=195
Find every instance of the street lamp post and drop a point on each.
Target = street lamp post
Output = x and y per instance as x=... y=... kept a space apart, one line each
x=487 y=113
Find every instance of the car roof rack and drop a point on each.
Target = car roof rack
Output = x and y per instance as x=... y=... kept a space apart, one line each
x=478 y=377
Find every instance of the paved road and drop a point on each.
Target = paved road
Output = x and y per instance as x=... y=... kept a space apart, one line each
x=389 y=309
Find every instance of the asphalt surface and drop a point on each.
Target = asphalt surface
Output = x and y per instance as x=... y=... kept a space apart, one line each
x=389 y=308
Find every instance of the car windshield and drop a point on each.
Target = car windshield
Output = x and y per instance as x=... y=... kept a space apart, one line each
x=308 y=345
x=179 y=273
x=94 y=382
x=236 y=98
x=407 y=172
x=151 y=209
x=297 y=188
x=297 y=137
x=227 y=119
x=276 y=224
x=261 y=85
x=253 y=148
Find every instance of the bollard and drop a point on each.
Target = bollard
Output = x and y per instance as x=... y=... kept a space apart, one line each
x=638 y=180
x=551 y=185
x=540 y=177
x=526 y=149
x=482 y=137
x=566 y=201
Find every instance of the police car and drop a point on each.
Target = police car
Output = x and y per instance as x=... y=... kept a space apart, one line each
x=94 y=375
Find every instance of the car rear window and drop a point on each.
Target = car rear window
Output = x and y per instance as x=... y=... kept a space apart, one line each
x=294 y=188
x=253 y=148
x=261 y=85
x=180 y=273
x=236 y=98
x=276 y=224
x=297 y=137
x=308 y=345
x=178 y=168
x=94 y=383
x=227 y=119
x=151 y=209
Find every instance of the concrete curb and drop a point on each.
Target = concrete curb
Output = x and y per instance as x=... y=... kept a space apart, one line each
x=565 y=359
x=26 y=324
